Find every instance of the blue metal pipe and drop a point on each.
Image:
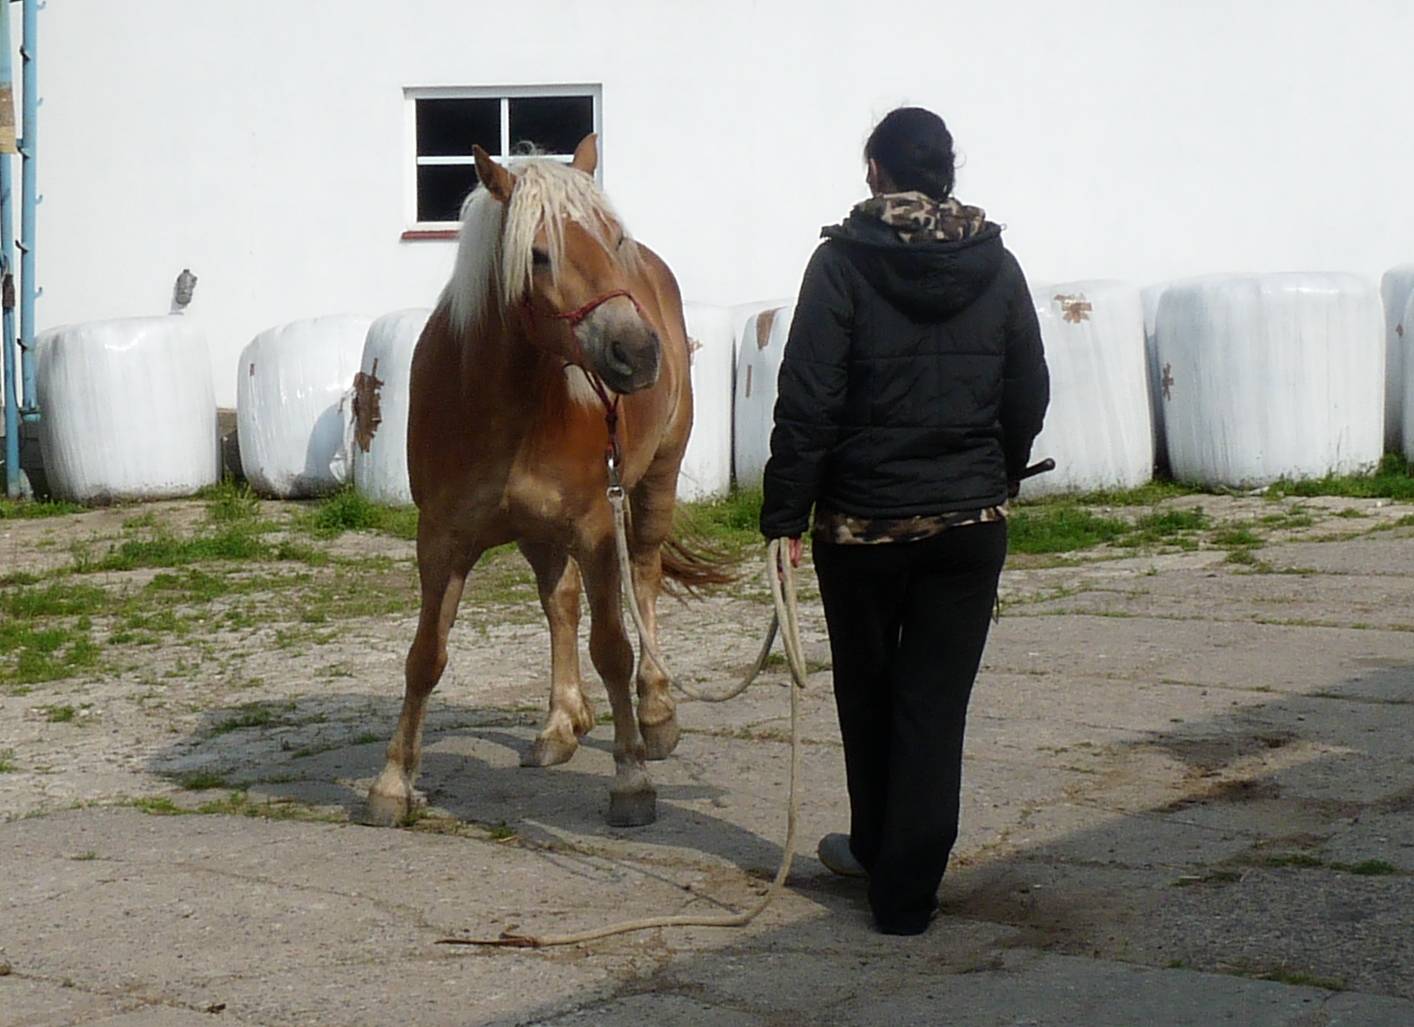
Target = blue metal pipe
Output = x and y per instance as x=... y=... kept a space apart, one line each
x=29 y=147
x=7 y=264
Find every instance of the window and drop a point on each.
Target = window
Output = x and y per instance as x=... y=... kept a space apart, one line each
x=444 y=124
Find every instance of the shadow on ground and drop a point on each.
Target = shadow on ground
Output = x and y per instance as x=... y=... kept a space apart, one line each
x=1273 y=840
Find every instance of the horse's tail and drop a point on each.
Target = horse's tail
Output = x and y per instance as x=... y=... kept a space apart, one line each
x=691 y=565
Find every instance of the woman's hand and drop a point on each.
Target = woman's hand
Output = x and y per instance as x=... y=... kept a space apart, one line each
x=792 y=552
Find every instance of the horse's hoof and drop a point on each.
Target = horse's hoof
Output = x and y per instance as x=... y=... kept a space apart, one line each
x=633 y=809
x=659 y=740
x=547 y=752
x=388 y=809
x=583 y=718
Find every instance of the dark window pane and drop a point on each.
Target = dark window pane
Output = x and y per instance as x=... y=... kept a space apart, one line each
x=441 y=189
x=449 y=127
x=556 y=124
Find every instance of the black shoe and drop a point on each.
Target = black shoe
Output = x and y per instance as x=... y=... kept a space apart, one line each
x=908 y=923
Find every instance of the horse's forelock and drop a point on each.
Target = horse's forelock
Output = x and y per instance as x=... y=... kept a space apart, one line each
x=496 y=256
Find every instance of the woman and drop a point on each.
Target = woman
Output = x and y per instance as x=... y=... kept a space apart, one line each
x=912 y=386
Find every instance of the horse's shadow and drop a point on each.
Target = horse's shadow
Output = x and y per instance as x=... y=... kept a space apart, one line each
x=318 y=754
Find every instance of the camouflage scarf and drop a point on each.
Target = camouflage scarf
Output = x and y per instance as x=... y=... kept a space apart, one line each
x=917 y=217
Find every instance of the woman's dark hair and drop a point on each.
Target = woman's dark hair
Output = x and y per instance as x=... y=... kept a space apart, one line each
x=914 y=147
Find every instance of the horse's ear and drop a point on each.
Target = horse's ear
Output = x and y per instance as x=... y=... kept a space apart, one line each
x=498 y=181
x=586 y=154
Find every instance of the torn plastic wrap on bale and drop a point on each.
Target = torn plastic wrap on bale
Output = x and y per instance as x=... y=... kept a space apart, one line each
x=292 y=408
x=1098 y=427
x=129 y=410
x=707 y=465
x=381 y=397
x=1272 y=376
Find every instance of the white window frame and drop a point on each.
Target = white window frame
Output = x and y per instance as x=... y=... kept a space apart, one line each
x=505 y=94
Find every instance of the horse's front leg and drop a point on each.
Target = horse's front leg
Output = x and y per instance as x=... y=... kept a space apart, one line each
x=571 y=715
x=443 y=571
x=632 y=797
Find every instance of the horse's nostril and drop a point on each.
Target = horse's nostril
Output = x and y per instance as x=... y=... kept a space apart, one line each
x=620 y=356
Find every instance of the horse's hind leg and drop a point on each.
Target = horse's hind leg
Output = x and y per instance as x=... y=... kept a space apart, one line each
x=570 y=713
x=657 y=713
x=653 y=502
x=391 y=798
x=632 y=797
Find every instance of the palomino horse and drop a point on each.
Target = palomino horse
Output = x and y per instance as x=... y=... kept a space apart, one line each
x=558 y=340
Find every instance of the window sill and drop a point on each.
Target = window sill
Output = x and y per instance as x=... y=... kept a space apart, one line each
x=430 y=234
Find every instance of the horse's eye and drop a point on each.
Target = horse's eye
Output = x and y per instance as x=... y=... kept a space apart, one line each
x=620 y=244
x=540 y=258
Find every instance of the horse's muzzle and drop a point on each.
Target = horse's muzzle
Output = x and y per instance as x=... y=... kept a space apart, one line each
x=622 y=348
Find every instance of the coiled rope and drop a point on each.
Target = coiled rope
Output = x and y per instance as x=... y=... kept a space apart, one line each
x=780 y=576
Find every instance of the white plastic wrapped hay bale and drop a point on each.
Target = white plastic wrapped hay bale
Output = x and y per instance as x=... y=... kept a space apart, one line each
x=707 y=465
x=1098 y=426
x=1407 y=392
x=291 y=412
x=380 y=407
x=128 y=410
x=1396 y=290
x=760 y=347
x=1271 y=376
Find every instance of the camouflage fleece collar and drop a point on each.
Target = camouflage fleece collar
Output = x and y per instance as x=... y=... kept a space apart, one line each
x=917 y=217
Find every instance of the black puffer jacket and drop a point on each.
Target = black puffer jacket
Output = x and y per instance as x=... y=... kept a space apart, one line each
x=913 y=380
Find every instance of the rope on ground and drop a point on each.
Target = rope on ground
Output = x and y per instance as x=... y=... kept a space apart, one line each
x=780 y=575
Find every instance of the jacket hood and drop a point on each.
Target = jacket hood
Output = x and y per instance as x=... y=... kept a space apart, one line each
x=925 y=279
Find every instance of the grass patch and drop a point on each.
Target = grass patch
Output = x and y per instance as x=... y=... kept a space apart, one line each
x=500 y=831
x=1244 y=557
x=1166 y=526
x=1392 y=479
x=56 y=600
x=233 y=542
x=84 y=857
x=1370 y=868
x=60 y=714
x=1299 y=978
x=347 y=510
x=7 y=761
x=202 y=781
x=30 y=655
x=1060 y=528
x=249 y=715
x=1293 y=859
x=1235 y=537
x=1304 y=861
x=230 y=502
x=732 y=523
x=157 y=807
x=1149 y=494
x=30 y=509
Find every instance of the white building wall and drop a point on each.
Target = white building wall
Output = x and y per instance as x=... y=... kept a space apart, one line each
x=262 y=142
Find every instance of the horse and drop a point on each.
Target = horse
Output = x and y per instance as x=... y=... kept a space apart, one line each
x=555 y=361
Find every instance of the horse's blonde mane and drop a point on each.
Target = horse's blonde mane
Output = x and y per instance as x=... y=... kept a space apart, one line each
x=494 y=256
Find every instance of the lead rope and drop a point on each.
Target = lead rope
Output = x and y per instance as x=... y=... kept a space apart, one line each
x=780 y=576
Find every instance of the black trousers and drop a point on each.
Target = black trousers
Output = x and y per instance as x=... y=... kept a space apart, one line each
x=907 y=622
